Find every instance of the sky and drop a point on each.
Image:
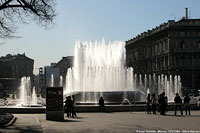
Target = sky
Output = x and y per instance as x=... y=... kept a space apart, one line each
x=86 y=20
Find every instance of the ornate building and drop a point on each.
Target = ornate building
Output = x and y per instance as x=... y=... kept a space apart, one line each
x=171 y=48
x=16 y=66
x=12 y=68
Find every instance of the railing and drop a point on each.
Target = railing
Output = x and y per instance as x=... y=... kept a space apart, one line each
x=187 y=50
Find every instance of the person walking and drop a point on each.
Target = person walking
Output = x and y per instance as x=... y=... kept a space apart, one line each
x=198 y=102
x=154 y=103
x=163 y=103
x=178 y=102
x=187 y=104
x=101 y=104
x=149 y=104
x=73 y=106
x=68 y=106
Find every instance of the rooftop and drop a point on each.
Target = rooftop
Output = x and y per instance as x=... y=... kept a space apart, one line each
x=171 y=23
x=18 y=56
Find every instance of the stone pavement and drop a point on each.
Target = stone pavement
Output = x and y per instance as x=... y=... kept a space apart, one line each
x=117 y=122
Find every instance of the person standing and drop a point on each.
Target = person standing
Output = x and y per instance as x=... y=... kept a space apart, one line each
x=198 y=102
x=68 y=106
x=73 y=106
x=149 y=104
x=163 y=103
x=154 y=102
x=178 y=102
x=101 y=104
x=187 y=104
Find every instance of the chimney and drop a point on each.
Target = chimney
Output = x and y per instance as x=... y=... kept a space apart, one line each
x=186 y=13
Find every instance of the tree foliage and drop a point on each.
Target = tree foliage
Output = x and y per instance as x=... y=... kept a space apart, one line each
x=14 y=11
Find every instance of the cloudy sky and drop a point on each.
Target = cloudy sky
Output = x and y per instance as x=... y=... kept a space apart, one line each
x=86 y=20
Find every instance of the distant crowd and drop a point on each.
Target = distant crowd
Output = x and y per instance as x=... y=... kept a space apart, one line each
x=154 y=104
x=70 y=103
x=160 y=104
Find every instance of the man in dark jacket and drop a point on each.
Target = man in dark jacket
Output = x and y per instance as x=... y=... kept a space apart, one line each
x=178 y=102
x=101 y=104
x=68 y=106
x=163 y=103
x=187 y=104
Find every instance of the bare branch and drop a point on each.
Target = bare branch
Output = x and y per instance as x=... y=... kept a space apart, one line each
x=14 y=11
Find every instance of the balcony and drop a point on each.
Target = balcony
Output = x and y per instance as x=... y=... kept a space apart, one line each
x=187 y=50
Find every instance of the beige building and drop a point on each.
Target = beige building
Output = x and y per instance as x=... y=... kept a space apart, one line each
x=171 y=48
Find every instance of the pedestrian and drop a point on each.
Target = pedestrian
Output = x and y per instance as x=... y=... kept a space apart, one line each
x=163 y=103
x=101 y=104
x=187 y=104
x=149 y=104
x=154 y=103
x=166 y=101
x=5 y=101
x=159 y=102
x=178 y=103
x=198 y=102
x=73 y=106
x=68 y=106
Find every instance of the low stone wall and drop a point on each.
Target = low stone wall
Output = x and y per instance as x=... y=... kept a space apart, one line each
x=91 y=108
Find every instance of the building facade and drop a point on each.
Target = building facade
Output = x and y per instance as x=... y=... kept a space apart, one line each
x=64 y=64
x=12 y=69
x=16 y=66
x=173 y=48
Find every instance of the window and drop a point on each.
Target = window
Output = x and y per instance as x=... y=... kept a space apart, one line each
x=182 y=60
x=166 y=46
x=198 y=33
x=182 y=34
x=183 y=45
x=194 y=61
x=190 y=60
x=177 y=61
x=199 y=45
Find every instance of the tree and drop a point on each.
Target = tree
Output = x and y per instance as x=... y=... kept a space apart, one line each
x=14 y=11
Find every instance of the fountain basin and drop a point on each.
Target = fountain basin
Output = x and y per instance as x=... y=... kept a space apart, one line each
x=90 y=108
x=110 y=97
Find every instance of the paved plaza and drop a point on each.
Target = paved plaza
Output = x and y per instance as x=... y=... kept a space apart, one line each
x=117 y=122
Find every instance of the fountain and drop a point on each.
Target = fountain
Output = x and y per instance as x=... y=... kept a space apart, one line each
x=52 y=81
x=28 y=96
x=99 y=70
x=25 y=89
x=34 y=97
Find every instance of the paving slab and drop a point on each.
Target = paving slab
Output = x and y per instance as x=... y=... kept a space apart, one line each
x=24 y=123
x=118 y=122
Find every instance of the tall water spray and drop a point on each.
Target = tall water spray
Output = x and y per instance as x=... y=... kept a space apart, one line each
x=28 y=96
x=34 y=97
x=52 y=81
x=100 y=67
x=25 y=90
x=61 y=81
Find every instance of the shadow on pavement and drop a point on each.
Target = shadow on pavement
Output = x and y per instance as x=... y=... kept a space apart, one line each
x=66 y=120
x=80 y=117
x=27 y=129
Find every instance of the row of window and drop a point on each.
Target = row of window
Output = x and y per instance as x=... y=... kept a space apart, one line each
x=163 y=62
x=188 y=61
x=183 y=45
x=186 y=34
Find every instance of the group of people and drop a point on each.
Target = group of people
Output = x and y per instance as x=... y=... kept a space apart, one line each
x=162 y=101
x=70 y=106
